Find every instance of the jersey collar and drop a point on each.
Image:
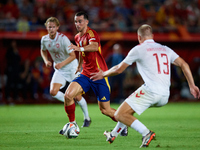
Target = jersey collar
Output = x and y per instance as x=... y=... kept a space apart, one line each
x=149 y=41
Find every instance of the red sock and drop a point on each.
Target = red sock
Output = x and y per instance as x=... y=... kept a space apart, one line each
x=113 y=118
x=70 y=110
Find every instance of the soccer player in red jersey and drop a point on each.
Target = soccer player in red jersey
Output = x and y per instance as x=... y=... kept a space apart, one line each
x=91 y=60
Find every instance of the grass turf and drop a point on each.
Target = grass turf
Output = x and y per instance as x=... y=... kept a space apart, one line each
x=177 y=126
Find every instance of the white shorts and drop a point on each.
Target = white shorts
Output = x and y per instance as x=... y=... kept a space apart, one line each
x=58 y=77
x=142 y=99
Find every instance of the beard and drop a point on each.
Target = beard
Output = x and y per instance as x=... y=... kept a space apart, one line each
x=52 y=35
x=79 y=29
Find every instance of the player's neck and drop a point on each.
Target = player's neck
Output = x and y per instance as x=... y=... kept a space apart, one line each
x=83 y=31
x=52 y=37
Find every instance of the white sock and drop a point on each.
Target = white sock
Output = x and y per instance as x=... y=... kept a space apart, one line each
x=118 y=129
x=60 y=96
x=73 y=122
x=83 y=105
x=140 y=127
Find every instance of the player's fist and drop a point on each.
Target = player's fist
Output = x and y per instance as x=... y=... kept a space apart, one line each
x=58 y=66
x=48 y=64
x=78 y=70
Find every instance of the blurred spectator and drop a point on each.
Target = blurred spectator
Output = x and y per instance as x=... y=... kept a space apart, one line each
x=23 y=25
x=47 y=75
x=41 y=14
x=26 y=9
x=2 y=86
x=12 y=72
x=41 y=79
x=110 y=15
x=116 y=81
x=193 y=16
x=12 y=8
x=9 y=22
x=124 y=12
x=36 y=72
x=120 y=23
x=33 y=23
x=25 y=81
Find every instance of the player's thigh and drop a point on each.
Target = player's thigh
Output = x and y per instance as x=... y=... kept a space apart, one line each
x=58 y=78
x=161 y=100
x=140 y=100
x=55 y=87
x=101 y=89
x=74 y=89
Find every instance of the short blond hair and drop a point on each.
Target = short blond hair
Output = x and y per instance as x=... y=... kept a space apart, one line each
x=145 y=30
x=52 y=19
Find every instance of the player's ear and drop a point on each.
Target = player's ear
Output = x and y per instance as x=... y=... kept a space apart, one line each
x=139 y=38
x=87 y=22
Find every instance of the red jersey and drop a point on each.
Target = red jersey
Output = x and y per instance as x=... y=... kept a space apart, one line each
x=92 y=61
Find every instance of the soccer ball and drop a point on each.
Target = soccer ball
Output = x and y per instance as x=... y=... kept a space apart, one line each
x=71 y=130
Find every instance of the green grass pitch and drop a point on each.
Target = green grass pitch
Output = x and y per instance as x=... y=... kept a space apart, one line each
x=36 y=127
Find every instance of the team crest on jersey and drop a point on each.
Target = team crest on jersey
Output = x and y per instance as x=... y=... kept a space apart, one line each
x=49 y=45
x=57 y=45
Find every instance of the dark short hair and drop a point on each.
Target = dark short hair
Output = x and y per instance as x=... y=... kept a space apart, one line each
x=82 y=13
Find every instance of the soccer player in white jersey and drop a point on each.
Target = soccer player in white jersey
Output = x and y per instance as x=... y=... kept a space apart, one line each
x=153 y=61
x=65 y=63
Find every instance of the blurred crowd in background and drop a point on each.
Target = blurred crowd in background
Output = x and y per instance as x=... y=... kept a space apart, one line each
x=104 y=15
x=25 y=80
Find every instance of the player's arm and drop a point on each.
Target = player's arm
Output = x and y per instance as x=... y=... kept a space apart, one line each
x=80 y=62
x=71 y=57
x=91 y=47
x=194 y=90
x=44 y=55
x=115 y=70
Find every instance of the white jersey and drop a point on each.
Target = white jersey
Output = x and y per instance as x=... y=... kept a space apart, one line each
x=153 y=61
x=59 y=51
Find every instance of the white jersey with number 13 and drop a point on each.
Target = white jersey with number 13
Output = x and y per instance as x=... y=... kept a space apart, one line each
x=153 y=61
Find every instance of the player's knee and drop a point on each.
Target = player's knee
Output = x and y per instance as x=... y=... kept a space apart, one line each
x=68 y=96
x=117 y=115
x=53 y=92
x=78 y=98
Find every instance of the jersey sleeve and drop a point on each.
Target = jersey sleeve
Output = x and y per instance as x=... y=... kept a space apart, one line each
x=67 y=43
x=42 y=46
x=132 y=56
x=173 y=55
x=93 y=36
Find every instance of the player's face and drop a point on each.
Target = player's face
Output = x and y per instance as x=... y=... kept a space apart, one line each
x=52 y=29
x=80 y=23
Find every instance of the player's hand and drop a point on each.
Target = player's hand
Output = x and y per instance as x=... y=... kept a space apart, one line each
x=74 y=47
x=97 y=76
x=58 y=66
x=195 y=92
x=78 y=70
x=48 y=64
